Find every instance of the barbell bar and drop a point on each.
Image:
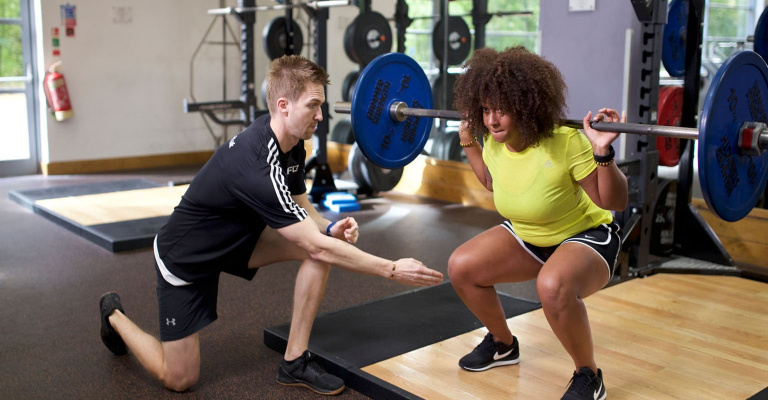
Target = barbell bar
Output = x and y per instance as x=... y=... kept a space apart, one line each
x=486 y=14
x=391 y=113
x=312 y=4
x=399 y=111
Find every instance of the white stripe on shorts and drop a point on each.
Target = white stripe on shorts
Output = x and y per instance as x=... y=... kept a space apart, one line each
x=167 y=275
x=508 y=225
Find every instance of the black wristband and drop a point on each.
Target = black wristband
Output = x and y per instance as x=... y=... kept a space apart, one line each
x=606 y=158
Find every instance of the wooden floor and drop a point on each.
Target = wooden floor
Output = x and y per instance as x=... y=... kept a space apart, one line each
x=104 y=208
x=663 y=337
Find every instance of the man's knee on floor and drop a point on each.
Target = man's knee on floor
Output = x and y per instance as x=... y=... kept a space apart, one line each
x=181 y=379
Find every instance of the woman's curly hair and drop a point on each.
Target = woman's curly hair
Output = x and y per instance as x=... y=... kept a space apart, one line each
x=523 y=85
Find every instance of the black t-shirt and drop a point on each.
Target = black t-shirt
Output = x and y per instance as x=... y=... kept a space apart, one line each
x=246 y=185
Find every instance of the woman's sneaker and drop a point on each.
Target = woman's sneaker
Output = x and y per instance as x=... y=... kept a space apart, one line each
x=489 y=354
x=586 y=385
x=305 y=371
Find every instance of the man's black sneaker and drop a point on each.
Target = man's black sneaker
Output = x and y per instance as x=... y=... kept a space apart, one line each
x=305 y=371
x=489 y=354
x=586 y=385
x=110 y=302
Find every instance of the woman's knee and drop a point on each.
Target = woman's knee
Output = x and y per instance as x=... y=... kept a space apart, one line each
x=460 y=267
x=554 y=291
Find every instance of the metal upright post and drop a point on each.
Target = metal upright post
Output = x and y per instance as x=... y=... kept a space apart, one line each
x=247 y=93
x=642 y=150
x=480 y=19
x=402 y=22
x=289 y=45
x=696 y=240
x=323 y=181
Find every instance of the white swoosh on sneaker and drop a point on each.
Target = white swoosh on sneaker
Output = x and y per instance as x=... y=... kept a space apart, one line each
x=498 y=356
x=597 y=392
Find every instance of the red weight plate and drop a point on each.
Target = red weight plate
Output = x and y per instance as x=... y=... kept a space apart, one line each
x=670 y=113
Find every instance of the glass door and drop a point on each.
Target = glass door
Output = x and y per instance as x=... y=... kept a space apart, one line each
x=18 y=131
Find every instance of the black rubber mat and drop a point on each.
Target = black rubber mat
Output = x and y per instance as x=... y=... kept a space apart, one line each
x=353 y=338
x=117 y=236
x=762 y=395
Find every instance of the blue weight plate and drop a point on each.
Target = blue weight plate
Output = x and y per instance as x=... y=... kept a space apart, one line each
x=732 y=183
x=383 y=140
x=761 y=35
x=673 y=48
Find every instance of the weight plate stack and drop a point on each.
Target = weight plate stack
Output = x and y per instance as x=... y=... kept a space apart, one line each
x=342 y=132
x=275 y=38
x=367 y=37
x=459 y=40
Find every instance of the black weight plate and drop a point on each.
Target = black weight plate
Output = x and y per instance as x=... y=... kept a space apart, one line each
x=264 y=94
x=369 y=37
x=342 y=132
x=663 y=223
x=348 y=43
x=459 y=40
x=354 y=161
x=453 y=150
x=437 y=148
x=437 y=92
x=275 y=38
x=380 y=179
x=348 y=85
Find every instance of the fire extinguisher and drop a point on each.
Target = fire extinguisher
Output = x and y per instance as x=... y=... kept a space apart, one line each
x=56 y=93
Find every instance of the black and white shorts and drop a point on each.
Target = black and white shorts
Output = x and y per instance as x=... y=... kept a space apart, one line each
x=187 y=307
x=603 y=239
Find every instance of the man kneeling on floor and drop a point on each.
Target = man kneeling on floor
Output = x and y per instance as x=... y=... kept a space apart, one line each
x=248 y=208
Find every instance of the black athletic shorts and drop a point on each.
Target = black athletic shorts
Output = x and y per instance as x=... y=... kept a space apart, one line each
x=603 y=239
x=189 y=307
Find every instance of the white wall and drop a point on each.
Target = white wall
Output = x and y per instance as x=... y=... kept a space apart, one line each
x=588 y=48
x=127 y=80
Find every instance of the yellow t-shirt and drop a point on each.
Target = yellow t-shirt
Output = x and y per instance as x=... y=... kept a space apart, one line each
x=537 y=189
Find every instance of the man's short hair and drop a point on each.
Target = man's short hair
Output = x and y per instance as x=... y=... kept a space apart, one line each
x=288 y=76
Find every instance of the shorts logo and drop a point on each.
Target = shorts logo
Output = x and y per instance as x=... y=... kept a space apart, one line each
x=293 y=168
x=170 y=321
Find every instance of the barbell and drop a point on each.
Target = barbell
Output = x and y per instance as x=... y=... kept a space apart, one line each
x=486 y=15
x=391 y=112
x=312 y=4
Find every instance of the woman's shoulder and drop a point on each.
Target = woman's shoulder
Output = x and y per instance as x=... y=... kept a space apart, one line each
x=565 y=131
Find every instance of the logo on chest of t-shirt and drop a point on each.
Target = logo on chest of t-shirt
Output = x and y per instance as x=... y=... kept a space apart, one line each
x=292 y=168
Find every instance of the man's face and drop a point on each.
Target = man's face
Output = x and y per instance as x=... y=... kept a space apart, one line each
x=305 y=113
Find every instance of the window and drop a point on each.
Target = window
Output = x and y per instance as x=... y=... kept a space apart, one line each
x=727 y=24
x=501 y=31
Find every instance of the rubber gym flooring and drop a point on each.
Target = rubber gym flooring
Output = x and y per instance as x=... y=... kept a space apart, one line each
x=51 y=280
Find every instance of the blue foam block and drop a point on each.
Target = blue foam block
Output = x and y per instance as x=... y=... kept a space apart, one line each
x=340 y=198
x=342 y=207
